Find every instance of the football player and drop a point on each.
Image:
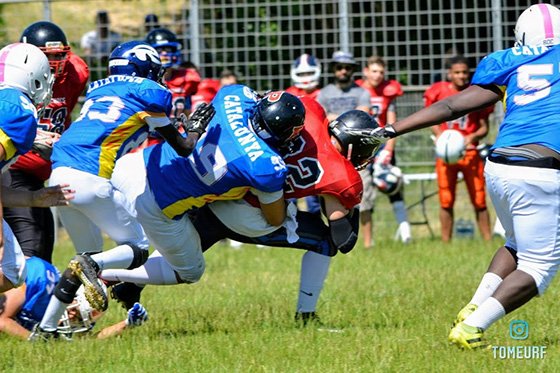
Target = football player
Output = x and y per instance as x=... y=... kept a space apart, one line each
x=383 y=107
x=323 y=161
x=181 y=81
x=474 y=126
x=21 y=309
x=521 y=171
x=26 y=81
x=117 y=115
x=305 y=73
x=34 y=227
x=235 y=155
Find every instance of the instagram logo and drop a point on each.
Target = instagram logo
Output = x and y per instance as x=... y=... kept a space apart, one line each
x=519 y=329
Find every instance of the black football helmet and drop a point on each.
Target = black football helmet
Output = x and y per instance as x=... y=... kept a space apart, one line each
x=167 y=45
x=278 y=119
x=353 y=130
x=51 y=40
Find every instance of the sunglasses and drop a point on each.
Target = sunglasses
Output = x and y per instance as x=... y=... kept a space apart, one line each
x=338 y=67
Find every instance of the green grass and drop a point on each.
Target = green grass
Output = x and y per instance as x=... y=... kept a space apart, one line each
x=394 y=303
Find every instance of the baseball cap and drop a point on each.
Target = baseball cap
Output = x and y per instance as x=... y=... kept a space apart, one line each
x=343 y=57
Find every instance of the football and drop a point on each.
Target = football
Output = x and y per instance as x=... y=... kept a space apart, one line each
x=450 y=146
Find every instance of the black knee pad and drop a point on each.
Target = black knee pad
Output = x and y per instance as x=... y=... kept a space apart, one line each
x=140 y=256
x=66 y=289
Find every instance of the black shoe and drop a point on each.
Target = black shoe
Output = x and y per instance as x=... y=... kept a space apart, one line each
x=307 y=318
x=86 y=269
x=126 y=293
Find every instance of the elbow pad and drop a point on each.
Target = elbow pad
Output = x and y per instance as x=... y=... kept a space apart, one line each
x=343 y=233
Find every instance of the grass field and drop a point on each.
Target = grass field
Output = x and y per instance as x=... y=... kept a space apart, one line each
x=393 y=303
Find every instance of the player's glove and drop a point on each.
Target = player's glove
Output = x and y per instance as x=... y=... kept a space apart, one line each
x=199 y=120
x=137 y=315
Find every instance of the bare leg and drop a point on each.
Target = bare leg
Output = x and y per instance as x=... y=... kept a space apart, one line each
x=503 y=263
x=483 y=222
x=446 y=221
x=516 y=290
x=366 y=227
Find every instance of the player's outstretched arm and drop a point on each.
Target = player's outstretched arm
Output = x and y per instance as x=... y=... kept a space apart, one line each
x=194 y=127
x=57 y=195
x=472 y=98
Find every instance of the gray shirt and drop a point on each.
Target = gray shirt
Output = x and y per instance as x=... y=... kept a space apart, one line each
x=337 y=101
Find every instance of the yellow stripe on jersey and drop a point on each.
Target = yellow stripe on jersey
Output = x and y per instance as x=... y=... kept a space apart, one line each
x=111 y=145
x=186 y=204
x=8 y=145
x=504 y=99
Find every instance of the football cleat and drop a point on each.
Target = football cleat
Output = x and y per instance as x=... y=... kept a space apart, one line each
x=464 y=313
x=467 y=337
x=311 y=319
x=86 y=269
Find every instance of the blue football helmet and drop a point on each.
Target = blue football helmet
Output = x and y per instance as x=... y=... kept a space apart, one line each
x=136 y=58
x=167 y=45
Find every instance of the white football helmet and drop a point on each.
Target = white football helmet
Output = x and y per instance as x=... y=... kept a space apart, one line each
x=538 y=25
x=450 y=146
x=387 y=178
x=305 y=71
x=25 y=67
x=79 y=316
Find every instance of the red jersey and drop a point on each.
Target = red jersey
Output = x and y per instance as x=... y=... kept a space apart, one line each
x=317 y=167
x=381 y=98
x=298 y=92
x=182 y=83
x=467 y=124
x=57 y=116
x=206 y=91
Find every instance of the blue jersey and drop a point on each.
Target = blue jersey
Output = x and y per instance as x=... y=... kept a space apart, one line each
x=228 y=160
x=40 y=282
x=530 y=79
x=113 y=121
x=18 y=124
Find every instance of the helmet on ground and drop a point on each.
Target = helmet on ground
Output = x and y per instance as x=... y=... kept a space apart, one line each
x=450 y=146
x=25 y=67
x=51 y=40
x=387 y=178
x=278 y=119
x=353 y=131
x=136 y=58
x=305 y=72
x=538 y=25
x=79 y=316
x=167 y=45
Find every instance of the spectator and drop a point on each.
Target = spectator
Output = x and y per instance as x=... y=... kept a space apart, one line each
x=97 y=44
x=473 y=126
x=383 y=94
x=343 y=94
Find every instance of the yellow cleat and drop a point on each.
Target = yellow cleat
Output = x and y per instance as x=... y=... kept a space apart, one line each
x=86 y=270
x=467 y=337
x=464 y=313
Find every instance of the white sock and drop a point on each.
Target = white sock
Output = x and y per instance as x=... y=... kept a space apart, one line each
x=404 y=232
x=314 y=269
x=155 y=271
x=486 y=314
x=118 y=257
x=53 y=313
x=488 y=285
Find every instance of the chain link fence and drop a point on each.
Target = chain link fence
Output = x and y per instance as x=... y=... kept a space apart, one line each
x=259 y=39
